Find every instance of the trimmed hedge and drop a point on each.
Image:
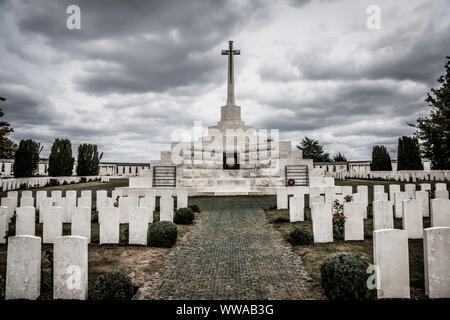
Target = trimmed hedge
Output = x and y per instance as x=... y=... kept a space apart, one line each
x=344 y=276
x=162 y=234
x=184 y=216
x=300 y=236
x=113 y=286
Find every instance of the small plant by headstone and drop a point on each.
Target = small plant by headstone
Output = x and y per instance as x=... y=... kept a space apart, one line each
x=184 y=216
x=300 y=236
x=162 y=234
x=281 y=219
x=344 y=276
x=112 y=286
x=123 y=240
x=339 y=218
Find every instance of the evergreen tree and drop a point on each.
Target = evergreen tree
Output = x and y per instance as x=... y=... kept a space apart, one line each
x=26 y=158
x=7 y=146
x=381 y=161
x=339 y=157
x=88 y=160
x=408 y=154
x=434 y=131
x=60 y=161
x=312 y=149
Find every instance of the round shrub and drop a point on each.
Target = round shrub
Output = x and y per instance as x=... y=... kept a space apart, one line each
x=300 y=236
x=195 y=208
x=344 y=276
x=112 y=286
x=162 y=234
x=184 y=216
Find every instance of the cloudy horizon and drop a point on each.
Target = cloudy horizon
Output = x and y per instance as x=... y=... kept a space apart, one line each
x=136 y=71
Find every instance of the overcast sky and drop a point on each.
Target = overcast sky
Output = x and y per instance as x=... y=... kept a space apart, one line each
x=137 y=70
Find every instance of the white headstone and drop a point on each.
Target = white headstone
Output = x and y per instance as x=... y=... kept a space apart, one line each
x=296 y=209
x=40 y=195
x=316 y=200
x=321 y=215
x=440 y=212
x=15 y=195
x=364 y=191
x=410 y=188
x=436 y=256
x=423 y=197
x=148 y=203
x=26 y=202
x=166 y=209
x=441 y=194
x=425 y=187
x=70 y=268
x=390 y=252
x=380 y=196
x=23 y=268
x=398 y=198
x=52 y=224
x=413 y=218
x=66 y=213
x=81 y=223
x=56 y=194
x=9 y=203
x=27 y=194
x=282 y=198
x=347 y=190
x=438 y=187
x=115 y=194
x=329 y=194
x=85 y=202
x=383 y=216
x=3 y=223
x=45 y=203
x=354 y=224
x=86 y=194
x=138 y=226
x=393 y=188
x=182 y=199
x=378 y=188
x=25 y=221
x=314 y=191
x=125 y=205
x=150 y=193
x=109 y=226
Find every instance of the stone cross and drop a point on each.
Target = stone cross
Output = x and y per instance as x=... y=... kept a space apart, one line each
x=230 y=53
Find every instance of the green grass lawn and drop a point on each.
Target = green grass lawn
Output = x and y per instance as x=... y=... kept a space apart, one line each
x=313 y=255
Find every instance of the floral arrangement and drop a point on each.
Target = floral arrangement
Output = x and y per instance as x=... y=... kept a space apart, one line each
x=339 y=218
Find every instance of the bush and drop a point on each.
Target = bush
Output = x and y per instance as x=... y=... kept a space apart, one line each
x=184 y=216
x=300 y=236
x=26 y=158
x=344 y=276
x=162 y=234
x=195 y=208
x=113 y=286
x=60 y=160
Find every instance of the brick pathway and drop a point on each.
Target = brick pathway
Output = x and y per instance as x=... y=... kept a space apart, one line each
x=232 y=255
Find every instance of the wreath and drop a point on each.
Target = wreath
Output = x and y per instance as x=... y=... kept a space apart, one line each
x=291 y=182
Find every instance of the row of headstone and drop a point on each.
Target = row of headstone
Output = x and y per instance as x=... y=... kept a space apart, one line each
x=391 y=261
x=410 y=175
x=70 y=268
x=9 y=184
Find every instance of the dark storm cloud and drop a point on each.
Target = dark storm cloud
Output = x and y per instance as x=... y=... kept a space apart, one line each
x=138 y=46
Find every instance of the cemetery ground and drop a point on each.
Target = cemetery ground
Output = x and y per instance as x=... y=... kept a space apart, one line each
x=140 y=263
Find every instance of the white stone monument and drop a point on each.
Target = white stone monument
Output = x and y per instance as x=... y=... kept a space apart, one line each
x=296 y=209
x=3 y=223
x=23 y=268
x=322 y=222
x=70 y=265
x=52 y=224
x=440 y=212
x=25 y=221
x=109 y=226
x=81 y=223
x=436 y=244
x=398 y=201
x=423 y=197
x=354 y=224
x=138 y=226
x=413 y=218
x=390 y=252
x=383 y=216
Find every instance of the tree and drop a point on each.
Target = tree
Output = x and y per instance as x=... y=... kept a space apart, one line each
x=434 y=131
x=26 y=158
x=60 y=161
x=408 y=154
x=88 y=160
x=7 y=146
x=339 y=157
x=381 y=161
x=312 y=149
